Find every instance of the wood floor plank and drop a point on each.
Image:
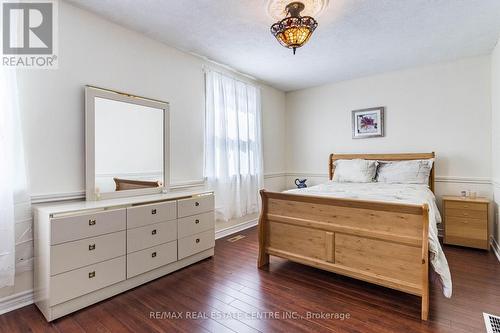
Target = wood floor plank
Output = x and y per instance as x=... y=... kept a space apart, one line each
x=227 y=293
x=191 y=310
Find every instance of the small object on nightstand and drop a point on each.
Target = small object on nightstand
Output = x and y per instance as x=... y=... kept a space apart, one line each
x=466 y=221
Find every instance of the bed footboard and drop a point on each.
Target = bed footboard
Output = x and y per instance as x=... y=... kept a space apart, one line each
x=377 y=242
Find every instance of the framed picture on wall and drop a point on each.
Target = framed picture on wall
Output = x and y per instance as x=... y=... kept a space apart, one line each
x=368 y=123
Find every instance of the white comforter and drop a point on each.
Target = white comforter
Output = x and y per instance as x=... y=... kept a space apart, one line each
x=401 y=193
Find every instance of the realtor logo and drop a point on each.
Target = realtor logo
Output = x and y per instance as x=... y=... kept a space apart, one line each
x=29 y=37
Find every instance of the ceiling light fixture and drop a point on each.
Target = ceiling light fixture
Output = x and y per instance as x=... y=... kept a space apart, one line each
x=294 y=30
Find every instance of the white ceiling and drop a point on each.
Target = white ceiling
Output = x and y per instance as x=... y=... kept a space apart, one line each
x=354 y=38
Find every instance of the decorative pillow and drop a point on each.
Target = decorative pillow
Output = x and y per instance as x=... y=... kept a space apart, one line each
x=355 y=171
x=405 y=172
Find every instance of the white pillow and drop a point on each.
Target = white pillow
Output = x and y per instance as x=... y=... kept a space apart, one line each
x=355 y=171
x=405 y=172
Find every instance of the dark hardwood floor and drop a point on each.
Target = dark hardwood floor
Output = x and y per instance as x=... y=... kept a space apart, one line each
x=228 y=293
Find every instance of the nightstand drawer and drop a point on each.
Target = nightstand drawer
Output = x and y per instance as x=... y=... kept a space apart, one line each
x=466 y=205
x=468 y=213
x=466 y=232
x=469 y=242
x=466 y=227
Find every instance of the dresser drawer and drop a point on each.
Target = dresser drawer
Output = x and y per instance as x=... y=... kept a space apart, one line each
x=143 y=261
x=66 y=229
x=197 y=205
x=195 y=224
x=196 y=243
x=474 y=214
x=151 y=235
x=467 y=205
x=149 y=214
x=68 y=256
x=69 y=285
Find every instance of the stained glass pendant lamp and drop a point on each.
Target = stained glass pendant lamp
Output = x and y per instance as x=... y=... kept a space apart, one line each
x=294 y=30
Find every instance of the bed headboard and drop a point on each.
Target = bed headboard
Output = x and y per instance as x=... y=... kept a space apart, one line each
x=384 y=157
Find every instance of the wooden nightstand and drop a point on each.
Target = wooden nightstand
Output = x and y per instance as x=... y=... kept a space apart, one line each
x=466 y=221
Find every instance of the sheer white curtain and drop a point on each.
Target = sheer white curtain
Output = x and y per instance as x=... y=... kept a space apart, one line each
x=14 y=198
x=233 y=145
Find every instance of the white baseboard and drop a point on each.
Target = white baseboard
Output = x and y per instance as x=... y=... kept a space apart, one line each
x=495 y=247
x=236 y=228
x=16 y=301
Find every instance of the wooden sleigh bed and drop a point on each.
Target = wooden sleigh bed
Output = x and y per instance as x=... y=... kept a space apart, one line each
x=377 y=242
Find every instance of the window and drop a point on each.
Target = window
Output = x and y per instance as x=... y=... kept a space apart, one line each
x=233 y=145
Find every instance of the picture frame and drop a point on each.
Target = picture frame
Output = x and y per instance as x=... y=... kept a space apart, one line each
x=368 y=123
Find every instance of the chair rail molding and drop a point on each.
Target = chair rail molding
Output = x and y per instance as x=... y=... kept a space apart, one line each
x=80 y=195
x=466 y=180
x=440 y=179
x=306 y=174
x=274 y=175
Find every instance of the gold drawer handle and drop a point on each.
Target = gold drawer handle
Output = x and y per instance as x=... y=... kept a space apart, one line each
x=196 y=203
x=91 y=247
x=92 y=222
x=196 y=221
x=153 y=254
x=153 y=211
x=91 y=274
x=197 y=240
x=153 y=232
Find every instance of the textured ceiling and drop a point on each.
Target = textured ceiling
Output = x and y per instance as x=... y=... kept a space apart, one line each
x=354 y=38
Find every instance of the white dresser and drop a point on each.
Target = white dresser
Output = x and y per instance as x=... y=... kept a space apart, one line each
x=88 y=251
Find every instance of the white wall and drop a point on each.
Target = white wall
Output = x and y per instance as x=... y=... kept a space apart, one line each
x=94 y=51
x=273 y=102
x=495 y=110
x=97 y=52
x=443 y=108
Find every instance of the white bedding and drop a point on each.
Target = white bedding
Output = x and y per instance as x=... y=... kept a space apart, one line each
x=400 y=193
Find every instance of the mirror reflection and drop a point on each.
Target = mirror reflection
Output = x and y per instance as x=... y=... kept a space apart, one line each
x=128 y=146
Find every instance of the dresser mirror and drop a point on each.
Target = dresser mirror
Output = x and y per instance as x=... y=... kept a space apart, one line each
x=127 y=144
